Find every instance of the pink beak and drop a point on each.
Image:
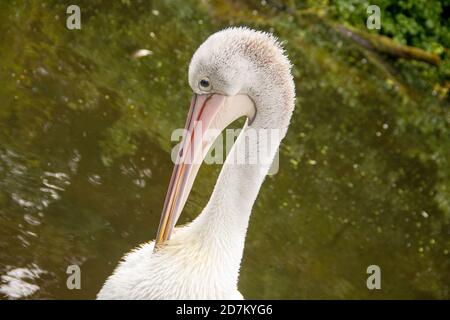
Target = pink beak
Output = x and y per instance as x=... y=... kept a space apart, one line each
x=208 y=116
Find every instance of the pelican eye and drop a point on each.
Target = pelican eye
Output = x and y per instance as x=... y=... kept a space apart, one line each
x=204 y=84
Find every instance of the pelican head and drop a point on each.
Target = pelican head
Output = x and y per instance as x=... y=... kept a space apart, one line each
x=237 y=72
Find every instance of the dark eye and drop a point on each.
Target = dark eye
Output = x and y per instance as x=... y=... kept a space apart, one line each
x=204 y=84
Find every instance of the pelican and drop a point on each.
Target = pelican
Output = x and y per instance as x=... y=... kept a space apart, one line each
x=237 y=72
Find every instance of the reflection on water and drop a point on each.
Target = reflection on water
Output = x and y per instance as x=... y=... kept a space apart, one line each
x=85 y=158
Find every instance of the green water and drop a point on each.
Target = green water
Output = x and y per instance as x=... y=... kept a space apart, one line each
x=85 y=155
